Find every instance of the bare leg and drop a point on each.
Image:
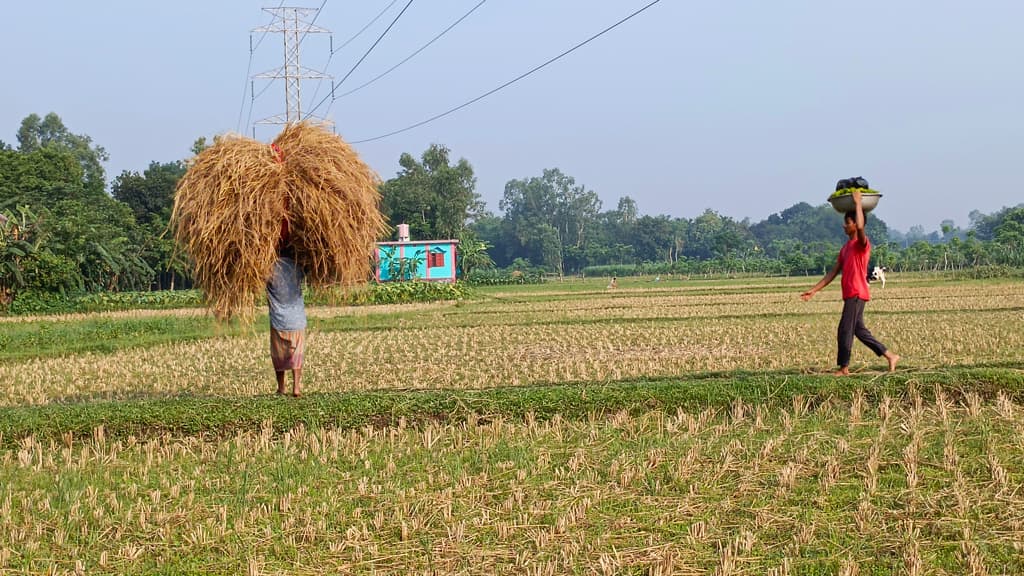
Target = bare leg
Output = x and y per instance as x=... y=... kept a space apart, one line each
x=280 y=381
x=893 y=358
x=297 y=382
x=843 y=371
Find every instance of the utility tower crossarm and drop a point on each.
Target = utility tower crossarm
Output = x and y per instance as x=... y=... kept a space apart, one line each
x=293 y=23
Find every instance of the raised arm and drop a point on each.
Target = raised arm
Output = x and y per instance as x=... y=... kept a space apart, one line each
x=862 y=237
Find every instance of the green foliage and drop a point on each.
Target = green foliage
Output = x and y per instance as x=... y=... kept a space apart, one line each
x=548 y=214
x=472 y=255
x=40 y=178
x=356 y=408
x=38 y=133
x=150 y=195
x=610 y=270
x=49 y=338
x=33 y=302
x=51 y=273
x=101 y=238
x=848 y=191
x=507 y=277
x=154 y=300
x=434 y=197
x=20 y=240
x=391 y=293
x=407 y=292
x=988 y=272
x=87 y=240
x=401 y=268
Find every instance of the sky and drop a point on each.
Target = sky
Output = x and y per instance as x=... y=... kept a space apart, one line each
x=743 y=107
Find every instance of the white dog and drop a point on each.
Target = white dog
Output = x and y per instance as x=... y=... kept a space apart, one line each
x=878 y=275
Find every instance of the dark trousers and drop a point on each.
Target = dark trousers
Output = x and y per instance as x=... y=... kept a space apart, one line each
x=852 y=324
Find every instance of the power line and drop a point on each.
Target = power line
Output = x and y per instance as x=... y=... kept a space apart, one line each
x=410 y=56
x=252 y=50
x=313 y=22
x=346 y=43
x=379 y=38
x=329 y=56
x=292 y=24
x=248 y=73
x=264 y=35
x=512 y=81
x=363 y=29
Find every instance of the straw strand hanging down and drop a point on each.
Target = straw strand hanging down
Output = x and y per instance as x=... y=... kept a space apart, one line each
x=334 y=200
x=229 y=206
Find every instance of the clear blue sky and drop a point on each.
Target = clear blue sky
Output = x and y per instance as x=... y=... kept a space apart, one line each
x=745 y=107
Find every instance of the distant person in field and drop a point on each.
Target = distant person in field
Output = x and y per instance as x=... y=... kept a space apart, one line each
x=613 y=284
x=287 y=316
x=853 y=263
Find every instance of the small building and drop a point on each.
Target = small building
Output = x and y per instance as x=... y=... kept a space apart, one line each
x=432 y=260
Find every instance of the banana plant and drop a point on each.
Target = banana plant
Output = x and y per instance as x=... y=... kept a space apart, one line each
x=19 y=239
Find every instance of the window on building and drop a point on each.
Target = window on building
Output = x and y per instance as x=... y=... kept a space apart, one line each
x=435 y=259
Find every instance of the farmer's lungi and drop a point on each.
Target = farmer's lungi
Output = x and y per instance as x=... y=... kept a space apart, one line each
x=286 y=348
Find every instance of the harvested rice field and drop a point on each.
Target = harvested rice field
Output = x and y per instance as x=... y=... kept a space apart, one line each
x=517 y=338
x=688 y=427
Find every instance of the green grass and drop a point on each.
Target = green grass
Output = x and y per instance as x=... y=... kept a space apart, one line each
x=728 y=472
x=188 y=415
x=492 y=491
x=51 y=338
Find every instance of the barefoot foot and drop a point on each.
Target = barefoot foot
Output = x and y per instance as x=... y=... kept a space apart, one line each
x=893 y=359
x=844 y=371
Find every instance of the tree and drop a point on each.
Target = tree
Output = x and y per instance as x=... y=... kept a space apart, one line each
x=1009 y=235
x=491 y=230
x=627 y=210
x=435 y=198
x=19 y=239
x=26 y=260
x=529 y=206
x=151 y=194
x=199 y=145
x=472 y=254
x=102 y=239
x=39 y=133
x=40 y=178
x=546 y=215
x=653 y=238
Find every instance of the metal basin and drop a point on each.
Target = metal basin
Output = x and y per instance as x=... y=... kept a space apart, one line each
x=844 y=203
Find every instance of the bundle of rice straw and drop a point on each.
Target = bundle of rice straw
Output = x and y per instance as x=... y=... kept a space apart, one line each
x=334 y=205
x=229 y=207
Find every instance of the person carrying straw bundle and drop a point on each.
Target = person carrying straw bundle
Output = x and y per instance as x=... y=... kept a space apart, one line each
x=231 y=206
x=287 y=316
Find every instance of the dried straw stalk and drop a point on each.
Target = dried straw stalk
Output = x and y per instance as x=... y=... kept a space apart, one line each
x=333 y=203
x=229 y=206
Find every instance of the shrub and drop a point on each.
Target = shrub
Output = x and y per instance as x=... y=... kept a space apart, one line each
x=390 y=293
x=31 y=301
x=503 y=277
x=154 y=300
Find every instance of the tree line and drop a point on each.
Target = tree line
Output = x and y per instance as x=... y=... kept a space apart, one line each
x=63 y=231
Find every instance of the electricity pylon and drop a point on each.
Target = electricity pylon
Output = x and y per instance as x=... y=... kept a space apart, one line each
x=293 y=23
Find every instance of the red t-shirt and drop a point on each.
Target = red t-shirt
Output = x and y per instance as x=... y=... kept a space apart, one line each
x=853 y=259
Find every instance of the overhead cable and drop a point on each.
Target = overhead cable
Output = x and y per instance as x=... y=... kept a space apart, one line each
x=248 y=72
x=367 y=53
x=510 y=82
x=410 y=56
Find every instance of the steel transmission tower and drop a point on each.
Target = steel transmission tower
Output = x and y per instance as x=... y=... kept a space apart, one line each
x=293 y=23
